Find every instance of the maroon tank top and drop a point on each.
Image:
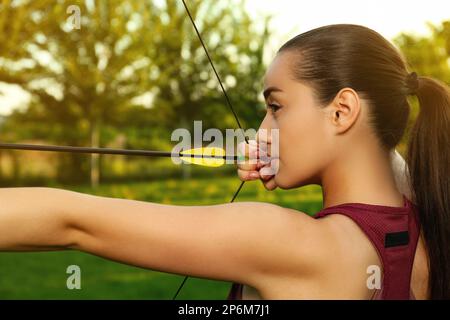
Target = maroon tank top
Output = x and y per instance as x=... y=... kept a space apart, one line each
x=394 y=232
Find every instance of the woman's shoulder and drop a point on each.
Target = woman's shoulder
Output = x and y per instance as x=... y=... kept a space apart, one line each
x=319 y=258
x=296 y=243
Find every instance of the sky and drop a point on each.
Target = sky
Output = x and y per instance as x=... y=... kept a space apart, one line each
x=387 y=17
x=291 y=17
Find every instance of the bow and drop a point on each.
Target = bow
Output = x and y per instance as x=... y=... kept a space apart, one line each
x=230 y=106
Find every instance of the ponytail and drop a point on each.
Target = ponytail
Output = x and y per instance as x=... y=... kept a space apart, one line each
x=428 y=159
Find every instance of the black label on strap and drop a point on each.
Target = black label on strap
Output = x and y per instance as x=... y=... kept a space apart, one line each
x=396 y=239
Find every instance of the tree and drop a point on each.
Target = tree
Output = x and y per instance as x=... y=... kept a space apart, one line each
x=84 y=80
x=428 y=55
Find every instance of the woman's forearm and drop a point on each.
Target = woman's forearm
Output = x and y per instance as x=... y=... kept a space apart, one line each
x=34 y=219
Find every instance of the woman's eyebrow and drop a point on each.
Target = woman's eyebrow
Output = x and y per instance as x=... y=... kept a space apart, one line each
x=269 y=90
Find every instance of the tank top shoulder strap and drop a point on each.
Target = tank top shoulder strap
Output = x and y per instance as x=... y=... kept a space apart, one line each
x=394 y=232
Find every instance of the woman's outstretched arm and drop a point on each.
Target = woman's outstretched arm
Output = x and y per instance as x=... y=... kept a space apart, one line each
x=35 y=219
x=242 y=242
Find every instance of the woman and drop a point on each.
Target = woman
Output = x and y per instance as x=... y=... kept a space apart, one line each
x=338 y=95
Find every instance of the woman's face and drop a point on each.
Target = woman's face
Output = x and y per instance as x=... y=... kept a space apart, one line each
x=305 y=134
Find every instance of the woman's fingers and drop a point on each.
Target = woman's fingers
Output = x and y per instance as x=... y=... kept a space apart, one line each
x=255 y=167
x=248 y=150
x=266 y=171
x=245 y=175
x=267 y=177
x=270 y=184
x=268 y=181
x=247 y=166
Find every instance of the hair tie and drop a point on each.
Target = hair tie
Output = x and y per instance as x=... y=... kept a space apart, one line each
x=412 y=83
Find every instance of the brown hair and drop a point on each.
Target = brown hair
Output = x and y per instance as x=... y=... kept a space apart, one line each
x=345 y=55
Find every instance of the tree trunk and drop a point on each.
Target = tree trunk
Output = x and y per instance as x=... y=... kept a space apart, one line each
x=1 y=165
x=185 y=167
x=95 y=158
x=15 y=166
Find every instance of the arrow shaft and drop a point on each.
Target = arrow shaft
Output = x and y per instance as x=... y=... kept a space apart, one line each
x=89 y=150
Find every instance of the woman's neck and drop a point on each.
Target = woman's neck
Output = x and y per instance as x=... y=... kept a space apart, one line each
x=362 y=175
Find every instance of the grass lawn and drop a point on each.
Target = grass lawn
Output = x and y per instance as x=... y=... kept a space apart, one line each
x=43 y=275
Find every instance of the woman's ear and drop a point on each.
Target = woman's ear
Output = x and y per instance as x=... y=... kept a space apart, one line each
x=344 y=110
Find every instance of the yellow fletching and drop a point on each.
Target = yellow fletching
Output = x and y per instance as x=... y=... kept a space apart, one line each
x=209 y=153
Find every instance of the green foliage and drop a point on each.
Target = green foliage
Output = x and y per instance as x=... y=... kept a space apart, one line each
x=428 y=56
x=135 y=70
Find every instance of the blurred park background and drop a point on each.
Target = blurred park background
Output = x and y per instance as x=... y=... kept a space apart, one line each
x=126 y=77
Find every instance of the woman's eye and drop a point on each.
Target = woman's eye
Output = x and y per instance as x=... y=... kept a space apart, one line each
x=273 y=107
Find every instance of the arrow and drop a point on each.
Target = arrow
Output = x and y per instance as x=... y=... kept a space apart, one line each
x=208 y=156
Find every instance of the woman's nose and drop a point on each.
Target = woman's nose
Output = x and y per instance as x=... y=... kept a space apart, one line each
x=264 y=132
